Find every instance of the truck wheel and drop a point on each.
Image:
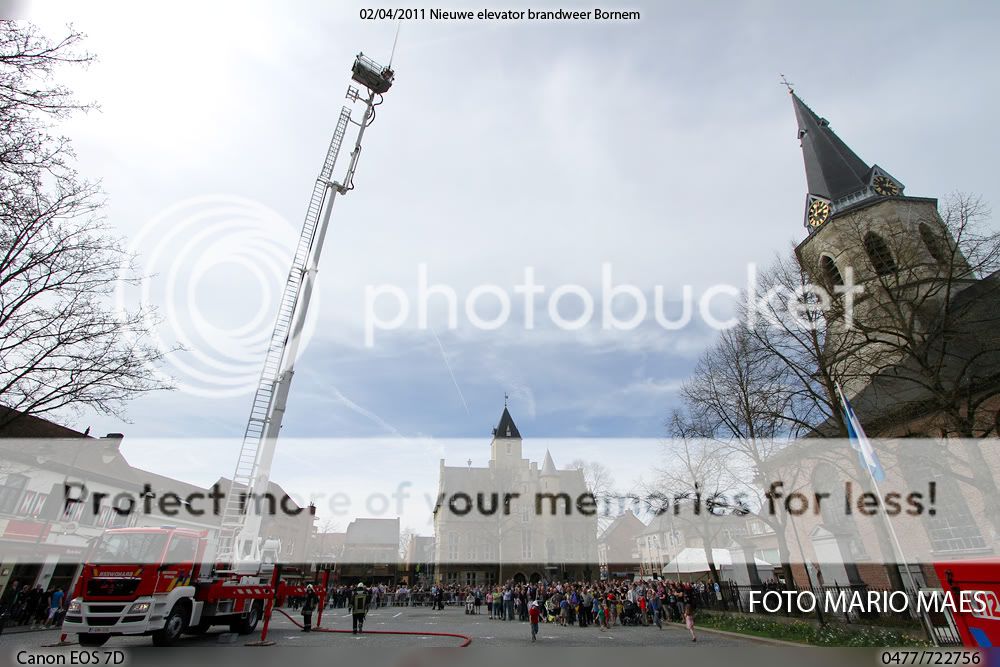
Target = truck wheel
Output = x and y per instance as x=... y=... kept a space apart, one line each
x=173 y=628
x=88 y=639
x=246 y=624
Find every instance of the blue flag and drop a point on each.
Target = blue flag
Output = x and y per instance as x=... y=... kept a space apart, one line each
x=859 y=441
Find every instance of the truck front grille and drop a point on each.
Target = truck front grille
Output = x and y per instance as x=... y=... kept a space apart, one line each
x=112 y=587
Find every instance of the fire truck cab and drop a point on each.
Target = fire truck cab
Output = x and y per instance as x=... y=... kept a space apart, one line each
x=155 y=581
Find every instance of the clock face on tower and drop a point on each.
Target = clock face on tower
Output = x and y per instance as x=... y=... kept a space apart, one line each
x=884 y=186
x=818 y=212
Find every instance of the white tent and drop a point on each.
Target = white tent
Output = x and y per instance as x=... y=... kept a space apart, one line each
x=691 y=560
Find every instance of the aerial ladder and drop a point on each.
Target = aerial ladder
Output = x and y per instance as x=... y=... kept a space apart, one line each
x=166 y=593
x=239 y=542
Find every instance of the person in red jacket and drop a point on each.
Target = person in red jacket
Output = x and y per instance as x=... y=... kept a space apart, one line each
x=534 y=616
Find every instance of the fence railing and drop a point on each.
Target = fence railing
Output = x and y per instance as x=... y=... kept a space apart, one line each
x=832 y=602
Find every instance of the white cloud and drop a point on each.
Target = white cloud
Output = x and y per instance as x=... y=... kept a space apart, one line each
x=665 y=147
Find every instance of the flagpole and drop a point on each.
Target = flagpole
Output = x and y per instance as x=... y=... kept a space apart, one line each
x=885 y=516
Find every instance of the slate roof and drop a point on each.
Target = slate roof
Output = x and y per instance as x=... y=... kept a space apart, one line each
x=660 y=523
x=506 y=428
x=625 y=521
x=967 y=346
x=93 y=459
x=16 y=424
x=833 y=170
x=372 y=531
x=273 y=488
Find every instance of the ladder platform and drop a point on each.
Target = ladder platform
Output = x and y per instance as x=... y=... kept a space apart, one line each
x=371 y=75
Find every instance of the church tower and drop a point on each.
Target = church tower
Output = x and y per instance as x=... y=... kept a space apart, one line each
x=864 y=229
x=846 y=198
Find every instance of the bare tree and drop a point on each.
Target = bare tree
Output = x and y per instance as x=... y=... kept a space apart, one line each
x=743 y=395
x=405 y=538
x=927 y=327
x=601 y=483
x=61 y=343
x=596 y=475
x=694 y=483
x=792 y=332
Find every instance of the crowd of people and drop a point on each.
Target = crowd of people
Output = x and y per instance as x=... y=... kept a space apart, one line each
x=33 y=605
x=600 y=604
x=380 y=595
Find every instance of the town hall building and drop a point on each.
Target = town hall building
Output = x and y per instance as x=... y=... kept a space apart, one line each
x=513 y=520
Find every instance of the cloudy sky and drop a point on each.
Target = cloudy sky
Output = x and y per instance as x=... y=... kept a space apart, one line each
x=665 y=147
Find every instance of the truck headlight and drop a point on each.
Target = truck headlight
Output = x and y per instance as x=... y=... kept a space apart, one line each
x=139 y=608
x=74 y=607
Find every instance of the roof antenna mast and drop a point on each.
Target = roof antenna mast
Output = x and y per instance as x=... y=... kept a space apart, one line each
x=395 y=39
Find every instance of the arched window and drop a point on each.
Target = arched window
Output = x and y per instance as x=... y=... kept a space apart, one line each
x=935 y=244
x=878 y=253
x=830 y=271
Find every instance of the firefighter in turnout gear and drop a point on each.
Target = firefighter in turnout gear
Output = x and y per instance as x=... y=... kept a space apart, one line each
x=309 y=603
x=359 y=607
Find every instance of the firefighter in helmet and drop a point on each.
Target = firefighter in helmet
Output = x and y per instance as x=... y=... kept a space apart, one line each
x=309 y=603
x=359 y=607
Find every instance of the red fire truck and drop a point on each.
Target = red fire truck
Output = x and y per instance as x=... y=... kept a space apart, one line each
x=153 y=581
x=167 y=581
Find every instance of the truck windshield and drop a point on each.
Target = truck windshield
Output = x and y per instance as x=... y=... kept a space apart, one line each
x=130 y=548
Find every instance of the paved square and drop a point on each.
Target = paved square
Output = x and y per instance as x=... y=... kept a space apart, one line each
x=482 y=630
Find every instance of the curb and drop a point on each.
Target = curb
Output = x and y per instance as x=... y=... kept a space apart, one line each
x=740 y=635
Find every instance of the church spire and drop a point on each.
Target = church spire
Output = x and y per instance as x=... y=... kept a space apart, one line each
x=506 y=428
x=835 y=175
x=548 y=466
x=833 y=170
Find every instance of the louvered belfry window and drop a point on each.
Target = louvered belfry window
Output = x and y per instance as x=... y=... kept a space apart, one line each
x=879 y=254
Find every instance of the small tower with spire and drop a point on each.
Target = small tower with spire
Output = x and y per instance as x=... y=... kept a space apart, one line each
x=505 y=449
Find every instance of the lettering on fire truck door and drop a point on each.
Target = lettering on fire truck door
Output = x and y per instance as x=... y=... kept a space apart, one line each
x=178 y=564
